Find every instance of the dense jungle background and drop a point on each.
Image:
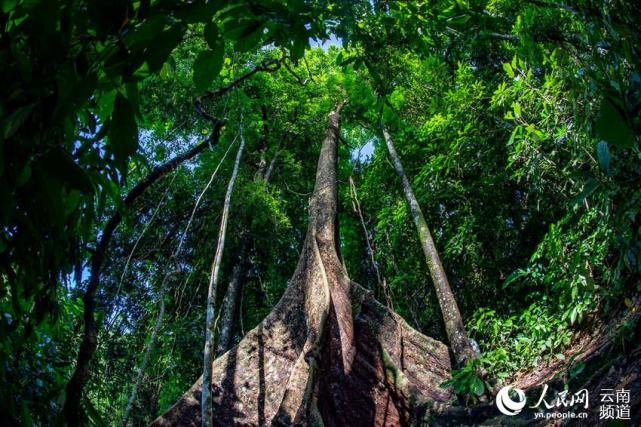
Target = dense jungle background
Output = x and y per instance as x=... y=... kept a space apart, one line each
x=126 y=125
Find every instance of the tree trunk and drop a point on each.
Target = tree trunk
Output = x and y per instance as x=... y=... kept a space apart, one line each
x=235 y=287
x=163 y=289
x=230 y=303
x=208 y=353
x=328 y=353
x=270 y=169
x=454 y=327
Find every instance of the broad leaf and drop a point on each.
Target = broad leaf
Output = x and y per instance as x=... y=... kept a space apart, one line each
x=123 y=131
x=603 y=155
x=206 y=67
x=612 y=127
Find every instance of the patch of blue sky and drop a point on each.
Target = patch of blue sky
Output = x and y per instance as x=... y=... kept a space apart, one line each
x=327 y=43
x=364 y=153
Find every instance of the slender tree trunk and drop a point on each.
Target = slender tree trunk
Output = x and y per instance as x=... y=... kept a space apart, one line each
x=328 y=353
x=230 y=303
x=208 y=353
x=380 y=280
x=163 y=289
x=235 y=287
x=150 y=345
x=262 y=162
x=88 y=345
x=272 y=164
x=454 y=327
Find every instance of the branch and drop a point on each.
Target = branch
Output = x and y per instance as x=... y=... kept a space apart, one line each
x=268 y=66
x=89 y=340
x=572 y=39
x=309 y=72
x=296 y=76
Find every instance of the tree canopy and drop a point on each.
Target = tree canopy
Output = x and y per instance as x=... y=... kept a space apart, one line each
x=517 y=123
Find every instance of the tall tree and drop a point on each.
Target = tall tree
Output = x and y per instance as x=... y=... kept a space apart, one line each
x=234 y=291
x=328 y=352
x=454 y=326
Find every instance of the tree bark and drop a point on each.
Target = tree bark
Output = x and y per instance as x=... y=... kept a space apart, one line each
x=454 y=327
x=208 y=353
x=328 y=353
x=88 y=345
x=230 y=303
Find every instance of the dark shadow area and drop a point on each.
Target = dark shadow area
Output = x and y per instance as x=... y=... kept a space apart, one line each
x=224 y=395
x=261 y=377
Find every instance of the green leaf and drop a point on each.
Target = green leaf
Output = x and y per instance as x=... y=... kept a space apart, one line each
x=197 y=11
x=206 y=67
x=603 y=155
x=162 y=47
x=477 y=386
x=8 y=5
x=212 y=35
x=58 y=164
x=131 y=90
x=123 y=131
x=508 y=69
x=24 y=176
x=590 y=186
x=298 y=48
x=514 y=276
x=146 y=32
x=236 y=29
x=105 y=103
x=249 y=39
x=517 y=109
x=165 y=71
x=71 y=202
x=458 y=20
x=12 y=123
x=612 y=127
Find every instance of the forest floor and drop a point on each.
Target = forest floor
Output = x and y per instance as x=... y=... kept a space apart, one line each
x=605 y=356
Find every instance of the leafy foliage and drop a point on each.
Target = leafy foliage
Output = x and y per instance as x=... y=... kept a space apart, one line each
x=517 y=122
